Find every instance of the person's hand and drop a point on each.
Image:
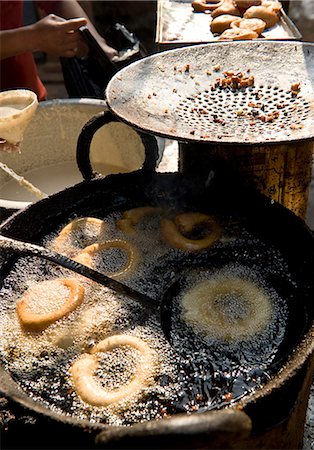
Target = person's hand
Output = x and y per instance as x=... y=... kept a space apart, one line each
x=57 y=36
x=110 y=52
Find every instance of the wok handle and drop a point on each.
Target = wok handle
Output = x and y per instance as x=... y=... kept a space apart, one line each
x=87 y=134
x=35 y=250
x=211 y=430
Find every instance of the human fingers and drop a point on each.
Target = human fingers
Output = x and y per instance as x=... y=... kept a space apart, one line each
x=73 y=24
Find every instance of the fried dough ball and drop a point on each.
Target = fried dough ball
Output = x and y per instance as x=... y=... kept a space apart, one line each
x=267 y=13
x=227 y=7
x=203 y=5
x=274 y=5
x=237 y=34
x=222 y=23
x=243 y=5
x=257 y=25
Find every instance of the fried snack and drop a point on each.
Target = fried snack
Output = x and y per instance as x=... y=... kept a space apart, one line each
x=203 y=5
x=175 y=231
x=38 y=322
x=237 y=34
x=131 y=217
x=233 y=80
x=83 y=372
x=227 y=308
x=269 y=14
x=256 y=25
x=61 y=242
x=222 y=23
x=243 y=5
x=228 y=7
x=87 y=256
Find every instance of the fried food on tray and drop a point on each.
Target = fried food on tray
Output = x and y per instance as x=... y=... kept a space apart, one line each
x=222 y=23
x=203 y=5
x=237 y=34
x=243 y=5
x=269 y=14
x=227 y=7
x=257 y=25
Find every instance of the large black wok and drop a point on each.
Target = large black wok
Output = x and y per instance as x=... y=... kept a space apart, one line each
x=273 y=416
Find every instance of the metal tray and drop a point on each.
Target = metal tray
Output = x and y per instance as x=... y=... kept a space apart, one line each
x=178 y=25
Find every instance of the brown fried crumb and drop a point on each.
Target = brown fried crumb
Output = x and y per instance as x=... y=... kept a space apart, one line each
x=217 y=67
x=234 y=80
x=296 y=87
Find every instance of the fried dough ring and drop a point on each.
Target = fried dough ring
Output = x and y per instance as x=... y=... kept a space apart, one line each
x=269 y=14
x=202 y=5
x=237 y=34
x=222 y=23
x=38 y=322
x=84 y=368
x=228 y=7
x=256 y=25
x=131 y=217
x=173 y=231
x=202 y=308
x=62 y=237
x=86 y=256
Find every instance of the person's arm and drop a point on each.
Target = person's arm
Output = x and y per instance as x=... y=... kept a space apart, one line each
x=71 y=8
x=52 y=35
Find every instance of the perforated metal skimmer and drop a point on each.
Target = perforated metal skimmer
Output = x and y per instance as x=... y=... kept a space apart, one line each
x=175 y=94
x=266 y=110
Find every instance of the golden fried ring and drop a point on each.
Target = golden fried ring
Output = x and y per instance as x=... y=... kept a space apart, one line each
x=62 y=237
x=256 y=25
x=221 y=23
x=203 y=5
x=227 y=7
x=237 y=34
x=84 y=368
x=173 y=231
x=38 y=322
x=205 y=308
x=266 y=13
x=88 y=253
x=131 y=217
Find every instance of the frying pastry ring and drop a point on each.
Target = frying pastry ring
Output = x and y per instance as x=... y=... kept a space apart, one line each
x=201 y=308
x=173 y=231
x=87 y=254
x=65 y=232
x=132 y=216
x=84 y=368
x=38 y=322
